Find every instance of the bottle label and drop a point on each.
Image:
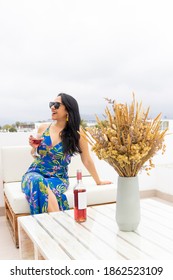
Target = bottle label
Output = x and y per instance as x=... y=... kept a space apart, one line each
x=82 y=200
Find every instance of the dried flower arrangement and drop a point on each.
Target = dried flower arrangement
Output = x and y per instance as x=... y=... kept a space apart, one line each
x=126 y=139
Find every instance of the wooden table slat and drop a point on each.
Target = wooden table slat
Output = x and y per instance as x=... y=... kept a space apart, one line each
x=67 y=241
x=85 y=236
x=46 y=245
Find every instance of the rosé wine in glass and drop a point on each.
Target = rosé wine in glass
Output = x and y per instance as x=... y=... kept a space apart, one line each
x=37 y=141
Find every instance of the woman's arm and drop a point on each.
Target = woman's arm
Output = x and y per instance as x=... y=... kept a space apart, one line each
x=88 y=162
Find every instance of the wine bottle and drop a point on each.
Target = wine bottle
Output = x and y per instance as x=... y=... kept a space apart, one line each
x=80 y=199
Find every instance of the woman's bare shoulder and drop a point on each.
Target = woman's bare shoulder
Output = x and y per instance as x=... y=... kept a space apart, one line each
x=43 y=127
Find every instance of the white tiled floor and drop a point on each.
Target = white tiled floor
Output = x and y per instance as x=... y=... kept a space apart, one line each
x=8 y=251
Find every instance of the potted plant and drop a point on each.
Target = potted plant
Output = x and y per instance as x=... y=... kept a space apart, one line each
x=127 y=139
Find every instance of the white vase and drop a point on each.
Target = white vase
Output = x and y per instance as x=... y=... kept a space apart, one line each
x=128 y=203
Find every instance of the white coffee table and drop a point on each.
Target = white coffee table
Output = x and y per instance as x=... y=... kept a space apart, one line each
x=56 y=236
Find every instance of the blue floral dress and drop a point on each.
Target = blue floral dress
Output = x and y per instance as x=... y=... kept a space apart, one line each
x=48 y=170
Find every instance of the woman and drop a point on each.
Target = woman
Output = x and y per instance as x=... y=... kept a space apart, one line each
x=46 y=180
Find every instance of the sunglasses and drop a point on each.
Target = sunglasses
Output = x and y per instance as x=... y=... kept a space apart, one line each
x=55 y=104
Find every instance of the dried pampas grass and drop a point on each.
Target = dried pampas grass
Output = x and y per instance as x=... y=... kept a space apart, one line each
x=126 y=139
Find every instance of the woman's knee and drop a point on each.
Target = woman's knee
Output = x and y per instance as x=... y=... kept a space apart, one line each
x=52 y=201
x=36 y=181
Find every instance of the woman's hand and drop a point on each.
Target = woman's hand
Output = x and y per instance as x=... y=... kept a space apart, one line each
x=32 y=142
x=104 y=183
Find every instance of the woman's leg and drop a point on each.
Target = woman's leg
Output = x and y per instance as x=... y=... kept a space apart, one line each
x=52 y=202
x=43 y=194
x=35 y=188
x=58 y=188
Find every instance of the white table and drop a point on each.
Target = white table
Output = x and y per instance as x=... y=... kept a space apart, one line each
x=57 y=236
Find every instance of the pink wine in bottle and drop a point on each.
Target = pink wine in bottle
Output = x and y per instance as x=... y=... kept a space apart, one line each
x=80 y=200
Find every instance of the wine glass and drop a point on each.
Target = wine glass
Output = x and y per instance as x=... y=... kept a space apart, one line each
x=36 y=141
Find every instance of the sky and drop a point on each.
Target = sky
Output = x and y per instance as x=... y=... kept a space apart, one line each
x=90 y=49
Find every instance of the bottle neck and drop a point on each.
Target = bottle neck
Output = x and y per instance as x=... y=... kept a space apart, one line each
x=79 y=184
x=79 y=175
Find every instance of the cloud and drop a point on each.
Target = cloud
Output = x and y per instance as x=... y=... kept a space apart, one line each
x=89 y=49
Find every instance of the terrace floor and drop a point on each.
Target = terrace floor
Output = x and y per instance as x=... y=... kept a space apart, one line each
x=154 y=236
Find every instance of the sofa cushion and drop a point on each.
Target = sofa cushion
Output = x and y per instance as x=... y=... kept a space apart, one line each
x=16 y=197
x=95 y=194
x=17 y=159
x=15 y=162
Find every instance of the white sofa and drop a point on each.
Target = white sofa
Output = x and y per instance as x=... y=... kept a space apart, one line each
x=16 y=160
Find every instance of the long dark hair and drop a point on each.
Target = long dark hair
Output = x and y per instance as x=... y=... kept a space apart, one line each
x=69 y=135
